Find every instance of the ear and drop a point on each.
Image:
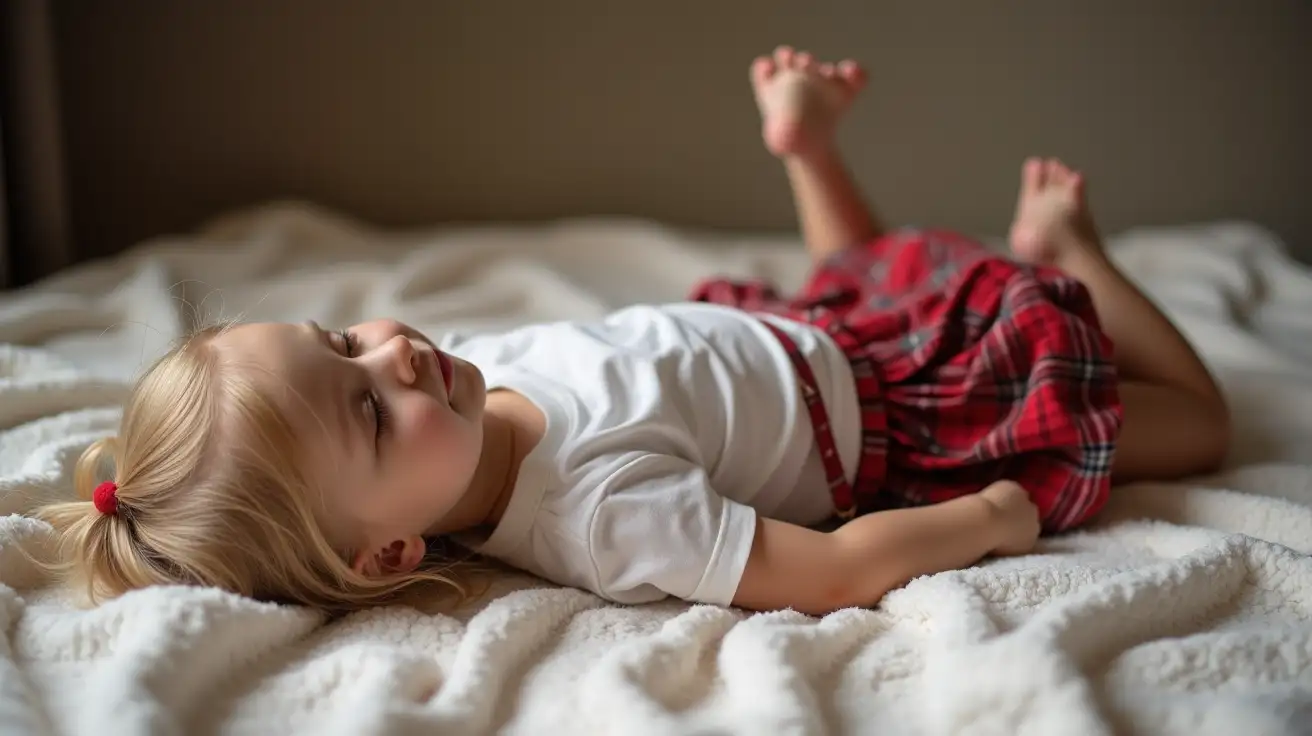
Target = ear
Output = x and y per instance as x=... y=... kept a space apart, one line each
x=399 y=556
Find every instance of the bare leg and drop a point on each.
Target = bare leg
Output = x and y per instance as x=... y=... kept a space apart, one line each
x=801 y=102
x=1176 y=419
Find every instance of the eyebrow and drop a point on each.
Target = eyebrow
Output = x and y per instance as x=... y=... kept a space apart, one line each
x=346 y=427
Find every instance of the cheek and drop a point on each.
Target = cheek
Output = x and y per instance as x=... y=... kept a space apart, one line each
x=435 y=430
x=423 y=422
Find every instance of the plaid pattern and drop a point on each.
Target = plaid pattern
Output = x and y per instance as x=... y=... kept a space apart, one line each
x=969 y=369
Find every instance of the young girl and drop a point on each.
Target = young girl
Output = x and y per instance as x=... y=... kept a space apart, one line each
x=947 y=402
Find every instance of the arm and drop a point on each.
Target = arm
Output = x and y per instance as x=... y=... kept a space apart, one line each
x=817 y=572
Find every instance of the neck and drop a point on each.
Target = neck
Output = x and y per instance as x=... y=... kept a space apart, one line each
x=493 y=483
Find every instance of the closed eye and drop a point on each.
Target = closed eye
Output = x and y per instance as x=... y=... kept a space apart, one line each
x=350 y=342
x=382 y=415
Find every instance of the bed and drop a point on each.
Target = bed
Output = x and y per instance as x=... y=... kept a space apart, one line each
x=1186 y=609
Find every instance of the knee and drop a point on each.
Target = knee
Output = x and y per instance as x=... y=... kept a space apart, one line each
x=1172 y=433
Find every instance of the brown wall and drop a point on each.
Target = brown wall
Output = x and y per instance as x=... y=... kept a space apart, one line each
x=410 y=112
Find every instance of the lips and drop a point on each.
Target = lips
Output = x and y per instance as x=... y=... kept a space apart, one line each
x=448 y=369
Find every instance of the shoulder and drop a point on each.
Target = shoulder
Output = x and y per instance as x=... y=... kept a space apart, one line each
x=605 y=486
x=660 y=526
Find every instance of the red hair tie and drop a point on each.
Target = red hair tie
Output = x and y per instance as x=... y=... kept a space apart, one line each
x=105 y=498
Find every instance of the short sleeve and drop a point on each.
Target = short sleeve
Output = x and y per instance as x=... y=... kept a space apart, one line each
x=662 y=530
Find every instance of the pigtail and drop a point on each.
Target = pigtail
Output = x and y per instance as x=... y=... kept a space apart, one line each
x=95 y=552
x=96 y=464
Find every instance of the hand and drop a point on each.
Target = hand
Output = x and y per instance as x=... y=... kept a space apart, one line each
x=1015 y=518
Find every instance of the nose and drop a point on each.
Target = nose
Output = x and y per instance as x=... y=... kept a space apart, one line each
x=398 y=356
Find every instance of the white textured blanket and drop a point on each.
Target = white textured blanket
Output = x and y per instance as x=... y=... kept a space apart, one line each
x=1186 y=610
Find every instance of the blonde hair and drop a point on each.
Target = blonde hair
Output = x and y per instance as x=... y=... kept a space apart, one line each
x=209 y=494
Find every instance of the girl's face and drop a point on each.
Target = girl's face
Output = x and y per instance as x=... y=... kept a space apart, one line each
x=390 y=428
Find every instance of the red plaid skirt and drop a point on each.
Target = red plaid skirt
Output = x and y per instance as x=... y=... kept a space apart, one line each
x=970 y=368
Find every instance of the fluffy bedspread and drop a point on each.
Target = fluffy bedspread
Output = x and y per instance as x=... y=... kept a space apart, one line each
x=1187 y=609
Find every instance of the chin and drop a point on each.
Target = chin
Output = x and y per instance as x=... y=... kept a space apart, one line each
x=475 y=383
x=470 y=395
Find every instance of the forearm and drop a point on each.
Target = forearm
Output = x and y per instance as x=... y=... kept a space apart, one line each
x=883 y=551
x=816 y=572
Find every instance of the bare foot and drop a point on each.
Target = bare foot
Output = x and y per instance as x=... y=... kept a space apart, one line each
x=1017 y=517
x=801 y=100
x=1052 y=215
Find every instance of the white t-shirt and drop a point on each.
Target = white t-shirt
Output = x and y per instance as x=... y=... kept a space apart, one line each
x=668 y=429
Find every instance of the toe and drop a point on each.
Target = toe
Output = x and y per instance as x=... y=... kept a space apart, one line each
x=852 y=73
x=1064 y=173
x=828 y=71
x=1040 y=173
x=784 y=57
x=1052 y=172
x=805 y=61
x=1071 y=178
x=1078 y=185
x=1031 y=176
x=763 y=68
